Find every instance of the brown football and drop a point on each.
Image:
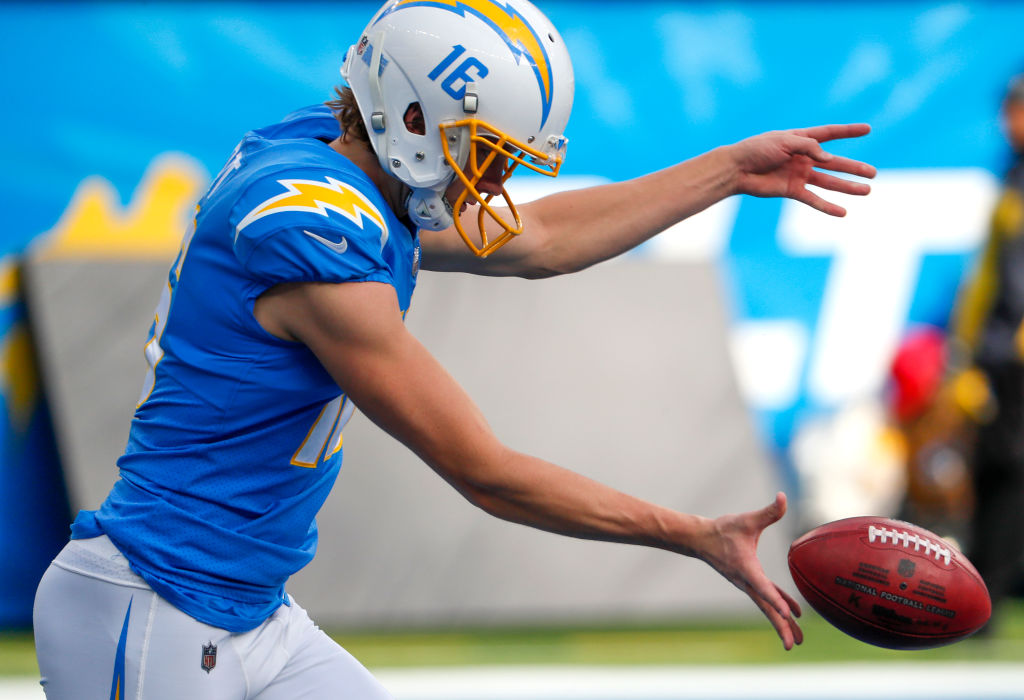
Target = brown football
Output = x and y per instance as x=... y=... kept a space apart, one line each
x=889 y=583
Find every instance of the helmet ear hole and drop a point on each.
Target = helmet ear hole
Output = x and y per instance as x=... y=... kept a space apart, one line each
x=413 y=119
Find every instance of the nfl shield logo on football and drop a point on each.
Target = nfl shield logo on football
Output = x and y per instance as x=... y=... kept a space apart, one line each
x=209 y=656
x=905 y=568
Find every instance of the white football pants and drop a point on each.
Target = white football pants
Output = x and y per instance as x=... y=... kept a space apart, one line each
x=102 y=632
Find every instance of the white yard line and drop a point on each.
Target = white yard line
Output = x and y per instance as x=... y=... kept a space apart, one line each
x=855 y=681
x=967 y=681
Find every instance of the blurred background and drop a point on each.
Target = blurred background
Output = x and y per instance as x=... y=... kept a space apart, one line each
x=752 y=349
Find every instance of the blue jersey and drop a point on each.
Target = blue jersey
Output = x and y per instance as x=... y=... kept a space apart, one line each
x=237 y=438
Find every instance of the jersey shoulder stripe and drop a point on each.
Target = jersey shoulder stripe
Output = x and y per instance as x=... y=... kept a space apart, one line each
x=318 y=196
x=307 y=222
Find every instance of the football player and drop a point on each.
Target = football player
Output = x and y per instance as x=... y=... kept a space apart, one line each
x=284 y=309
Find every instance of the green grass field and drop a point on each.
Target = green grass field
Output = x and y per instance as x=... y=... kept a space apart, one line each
x=746 y=642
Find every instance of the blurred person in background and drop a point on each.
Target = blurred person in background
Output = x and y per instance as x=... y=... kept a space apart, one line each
x=928 y=404
x=988 y=331
x=285 y=308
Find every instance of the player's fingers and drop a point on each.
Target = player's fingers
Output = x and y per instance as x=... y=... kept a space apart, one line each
x=837 y=184
x=777 y=621
x=759 y=587
x=794 y=606
x=788 y=631
x=798 y=633
x=787 y=625
x=842 y=164
x=822 y=205
x=806 y=146
x=829 y=132
x=772 y=512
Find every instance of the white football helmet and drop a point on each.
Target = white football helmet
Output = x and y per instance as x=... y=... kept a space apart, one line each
x=492 y=78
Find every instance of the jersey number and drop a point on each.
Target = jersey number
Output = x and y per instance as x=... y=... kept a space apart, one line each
x=324 y=439
x=154 y=353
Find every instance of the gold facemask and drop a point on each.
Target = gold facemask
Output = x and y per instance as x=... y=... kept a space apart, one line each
x=490 y=143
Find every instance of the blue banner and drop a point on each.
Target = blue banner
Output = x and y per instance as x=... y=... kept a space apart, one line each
x=116 y=113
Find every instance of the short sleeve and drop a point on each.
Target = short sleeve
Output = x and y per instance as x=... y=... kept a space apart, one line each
x=312 y=254
x=307 y=229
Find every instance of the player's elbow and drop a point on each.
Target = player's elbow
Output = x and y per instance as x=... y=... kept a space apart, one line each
x=552 y=265
x=495 y=499
x=486 y=499
x=540 y=272
x=488 y=482
x=545 y=253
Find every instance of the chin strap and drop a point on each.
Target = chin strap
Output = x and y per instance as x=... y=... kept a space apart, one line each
x=429 y=209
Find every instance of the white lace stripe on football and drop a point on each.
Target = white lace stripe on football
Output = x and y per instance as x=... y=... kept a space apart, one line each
x=908 y=539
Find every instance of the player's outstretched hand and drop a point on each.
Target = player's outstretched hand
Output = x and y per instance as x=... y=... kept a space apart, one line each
x=733 y=553
x=784 y=163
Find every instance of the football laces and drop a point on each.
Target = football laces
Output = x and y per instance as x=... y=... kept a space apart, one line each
x=883 y=535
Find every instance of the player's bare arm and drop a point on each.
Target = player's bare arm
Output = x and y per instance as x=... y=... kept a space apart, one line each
x=356 y=331
x=572 y=230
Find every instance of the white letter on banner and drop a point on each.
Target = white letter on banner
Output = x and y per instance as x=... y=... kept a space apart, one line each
x=877 y=250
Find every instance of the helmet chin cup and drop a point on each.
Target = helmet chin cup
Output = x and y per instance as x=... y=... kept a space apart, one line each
x=429 y=209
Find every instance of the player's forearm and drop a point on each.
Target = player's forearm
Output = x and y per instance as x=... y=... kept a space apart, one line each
x=532 y=492
x=357 y=332
x=579 y=228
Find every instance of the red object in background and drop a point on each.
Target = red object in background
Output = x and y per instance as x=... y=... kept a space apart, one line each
x=889 y=583
x=917 y=371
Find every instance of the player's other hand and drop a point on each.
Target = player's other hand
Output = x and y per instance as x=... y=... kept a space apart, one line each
x=784 y=163
x=731 y=549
